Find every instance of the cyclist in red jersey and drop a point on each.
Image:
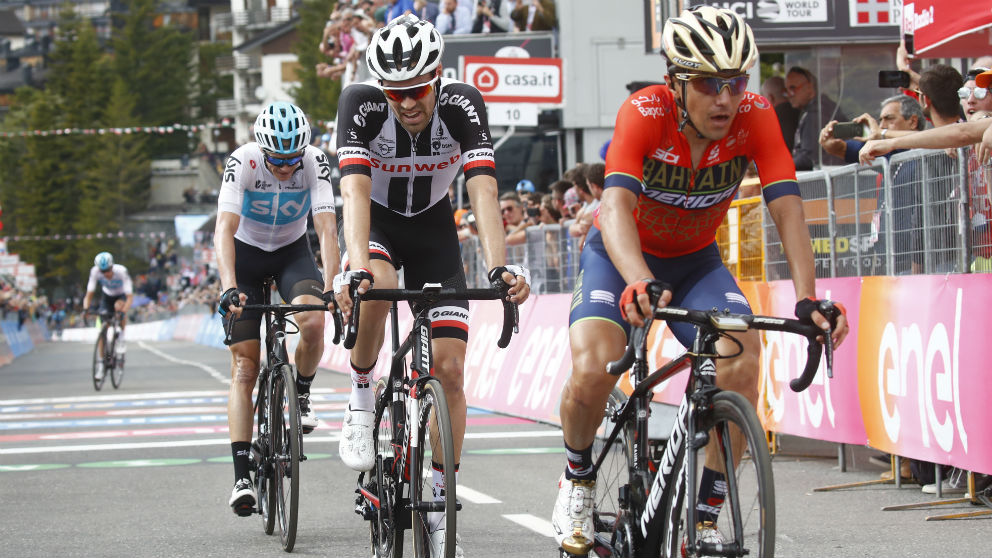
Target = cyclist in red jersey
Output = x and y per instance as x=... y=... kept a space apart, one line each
x=678 y=155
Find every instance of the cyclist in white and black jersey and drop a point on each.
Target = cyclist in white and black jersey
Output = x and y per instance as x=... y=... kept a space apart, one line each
x=400 y=143
x=269 y=188
x=118 y=294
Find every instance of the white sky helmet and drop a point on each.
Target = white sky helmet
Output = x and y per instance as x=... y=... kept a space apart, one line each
x=282 y=128
x=406 y=48
x=708 y=40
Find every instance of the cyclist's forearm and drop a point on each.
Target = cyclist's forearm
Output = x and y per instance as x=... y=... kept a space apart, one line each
x=227 y=224
x=483 y=193
x=790 y=220
x=327 y=234
x=356 y=193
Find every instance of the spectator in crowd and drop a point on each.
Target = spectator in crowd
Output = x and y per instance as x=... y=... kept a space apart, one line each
x=492 y=16
x=534 y=15
x=558 y=190
x=426 y=11
x=574 y=196
x=815 y=110
x=584 y=219
x=900 y=113
x=396 y=8
x=774 y=90
x=974 y=98
x=525 y=186
x=939 y=86
x=453 y=19
x=513 y=218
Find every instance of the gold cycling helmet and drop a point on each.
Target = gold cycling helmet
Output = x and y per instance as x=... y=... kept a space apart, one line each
x=708 y=40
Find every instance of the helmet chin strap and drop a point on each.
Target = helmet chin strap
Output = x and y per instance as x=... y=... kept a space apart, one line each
x=684 y=117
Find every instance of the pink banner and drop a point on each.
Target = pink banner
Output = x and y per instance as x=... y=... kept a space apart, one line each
x=924 y=381
x=828 y=409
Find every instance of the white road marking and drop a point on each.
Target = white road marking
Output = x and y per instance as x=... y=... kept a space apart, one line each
x=214 y=373
x=532 y=522
x=474 y=496
x=133 y=396
x=333 y=438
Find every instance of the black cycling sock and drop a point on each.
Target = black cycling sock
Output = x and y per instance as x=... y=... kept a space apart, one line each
x=579 y=464
x=712 y=491
x=242 y=460
x=303 y=383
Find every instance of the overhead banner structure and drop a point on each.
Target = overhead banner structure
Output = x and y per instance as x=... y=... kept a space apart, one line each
x=950 y=29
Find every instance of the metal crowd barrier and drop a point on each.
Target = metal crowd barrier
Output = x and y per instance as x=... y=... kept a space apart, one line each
x=919 y=212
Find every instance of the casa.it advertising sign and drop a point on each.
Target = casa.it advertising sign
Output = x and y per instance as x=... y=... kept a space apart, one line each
x=515 y=80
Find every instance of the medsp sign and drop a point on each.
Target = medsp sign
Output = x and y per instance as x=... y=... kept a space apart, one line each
x=515 y=80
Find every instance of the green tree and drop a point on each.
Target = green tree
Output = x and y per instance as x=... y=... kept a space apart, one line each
x=317 y=96
x=156 y=65
x=211 y=84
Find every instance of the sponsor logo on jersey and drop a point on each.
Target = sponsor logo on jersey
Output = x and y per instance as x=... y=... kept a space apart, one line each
x=262 y=186
x=449 y=313
x=365 y=109
x=714 y=153
x=384 y=147
x=660 y=176
x=601 y=296
x=690 y=202
x=274 y=208
x=463 y=102
x=229 y=169
x=346 y=153
x=666 y=155
x=418 y=166
x=760 y=102
x=252 y=163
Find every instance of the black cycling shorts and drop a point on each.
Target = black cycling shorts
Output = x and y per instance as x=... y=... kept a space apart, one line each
x=426 y=247
x=107 y=303
x=294 y=269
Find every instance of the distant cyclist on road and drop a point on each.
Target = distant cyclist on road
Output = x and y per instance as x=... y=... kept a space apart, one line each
x=118 y=294
x=401 y=142
x=678 y=155
x=269 y=187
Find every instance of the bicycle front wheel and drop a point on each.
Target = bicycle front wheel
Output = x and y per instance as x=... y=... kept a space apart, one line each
x=98 y=361
x=117 y=372
x=610 y=522
x=264 y=473
x=435 y=451
x=746 y=521
x=284 y=418
x=384 y=481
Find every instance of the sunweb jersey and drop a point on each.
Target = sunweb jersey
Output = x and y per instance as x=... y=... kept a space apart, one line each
x=411 y=173
x=118 y=284
x=273 y=212
x=679 y=208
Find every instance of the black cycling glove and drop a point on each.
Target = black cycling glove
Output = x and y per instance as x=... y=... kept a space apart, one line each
x=231 y=297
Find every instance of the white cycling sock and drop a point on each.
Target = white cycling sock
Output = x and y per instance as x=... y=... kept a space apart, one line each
x=434 y=519
x=362 y=397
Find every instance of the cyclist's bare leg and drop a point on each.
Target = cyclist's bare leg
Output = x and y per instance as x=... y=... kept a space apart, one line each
x=311 y=345
x=244 y=374
x=449 y=368
x=594 y=343
x=738 y=374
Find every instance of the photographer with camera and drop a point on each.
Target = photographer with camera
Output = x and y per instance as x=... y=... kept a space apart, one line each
x=900 y=115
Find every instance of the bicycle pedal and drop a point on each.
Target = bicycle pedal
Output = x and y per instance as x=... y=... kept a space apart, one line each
x=244 y=510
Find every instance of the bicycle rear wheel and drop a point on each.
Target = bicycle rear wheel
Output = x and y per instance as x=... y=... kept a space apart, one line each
x=98 y=361
x=264 y=472
x=746 y=522
x=611 y=522
x=117 y=371
x=284 y=419
x=385 y=534
x=434 y=435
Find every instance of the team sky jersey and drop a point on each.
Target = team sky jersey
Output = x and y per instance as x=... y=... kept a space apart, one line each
x=118 y=284
x=274 y=213
x=410 y=174
x=679 y=209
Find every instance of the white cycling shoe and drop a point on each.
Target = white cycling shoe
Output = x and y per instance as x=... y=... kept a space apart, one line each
x=572 y=516
x=437 y=544
x=357 y=450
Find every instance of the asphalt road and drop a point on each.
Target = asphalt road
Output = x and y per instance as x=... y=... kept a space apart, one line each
x=145 y=471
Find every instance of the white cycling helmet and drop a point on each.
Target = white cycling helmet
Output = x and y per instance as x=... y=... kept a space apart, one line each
x=406 y=48
x=708 y=40
x=282 y=128
x=103 y=261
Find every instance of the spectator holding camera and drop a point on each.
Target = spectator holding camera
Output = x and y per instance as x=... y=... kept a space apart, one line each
x=899 y=115
x=492 y=16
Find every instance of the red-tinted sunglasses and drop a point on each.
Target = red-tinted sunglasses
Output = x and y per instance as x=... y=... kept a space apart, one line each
x=415 y=92
x=712 y=85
